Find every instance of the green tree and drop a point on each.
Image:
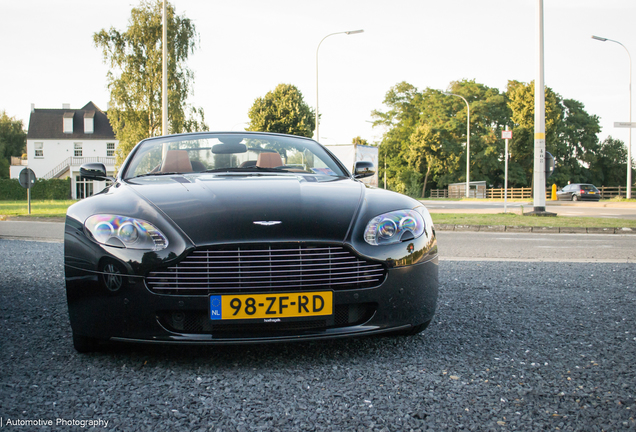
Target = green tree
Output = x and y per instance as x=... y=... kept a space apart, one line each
x=610 y=165
x=577 y=147
x=403 y=101
x=135 y=77
x=12 y=141
x=521 y=102
x=426 y=140
x=282 y=111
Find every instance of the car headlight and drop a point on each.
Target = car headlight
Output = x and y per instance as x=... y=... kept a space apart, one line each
x=394 y=227
x=125 y=232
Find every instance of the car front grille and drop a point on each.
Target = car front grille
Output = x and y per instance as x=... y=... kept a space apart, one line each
x=266 y=268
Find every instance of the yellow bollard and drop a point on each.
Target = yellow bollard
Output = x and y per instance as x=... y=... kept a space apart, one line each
x=553 y=197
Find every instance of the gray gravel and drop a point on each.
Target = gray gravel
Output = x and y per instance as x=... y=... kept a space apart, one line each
x=514 y=346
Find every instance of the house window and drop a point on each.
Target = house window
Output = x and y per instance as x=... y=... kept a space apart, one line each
x=77 y=150
x=89 y=125
x=110 y=149
x=39 y=149
x=68 y=122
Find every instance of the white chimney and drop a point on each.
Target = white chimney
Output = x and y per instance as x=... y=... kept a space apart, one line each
x=32 y=107
x=66 y=106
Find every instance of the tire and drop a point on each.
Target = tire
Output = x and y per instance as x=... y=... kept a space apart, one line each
x=412 y=331
x=575 y=198
x=85 y=344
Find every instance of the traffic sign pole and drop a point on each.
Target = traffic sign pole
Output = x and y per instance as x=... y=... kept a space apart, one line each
x=27 y=179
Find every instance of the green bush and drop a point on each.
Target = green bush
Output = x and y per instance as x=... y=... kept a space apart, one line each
x=53 y=189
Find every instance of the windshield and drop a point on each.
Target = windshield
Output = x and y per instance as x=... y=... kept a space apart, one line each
x=587 y=187
x=230 y=152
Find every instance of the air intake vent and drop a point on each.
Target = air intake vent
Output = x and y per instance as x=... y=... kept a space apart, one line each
x=254 y=268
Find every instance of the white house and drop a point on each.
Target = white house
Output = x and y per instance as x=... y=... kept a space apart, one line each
x=59 y=141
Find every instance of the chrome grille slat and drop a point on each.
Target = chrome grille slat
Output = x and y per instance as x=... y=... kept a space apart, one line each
x=325 y=277
x=266 y=268
x=183 y=290
x=272 y=266
x=279 y=274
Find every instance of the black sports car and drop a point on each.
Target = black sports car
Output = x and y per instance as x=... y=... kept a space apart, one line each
x=244 y=237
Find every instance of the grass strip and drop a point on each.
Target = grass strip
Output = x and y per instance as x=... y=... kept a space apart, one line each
x=511 y=219
x=39 y=208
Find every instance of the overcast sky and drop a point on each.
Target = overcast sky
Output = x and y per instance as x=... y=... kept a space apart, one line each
x=248 y=47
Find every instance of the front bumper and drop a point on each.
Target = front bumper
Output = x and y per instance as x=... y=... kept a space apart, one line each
x=406 y=298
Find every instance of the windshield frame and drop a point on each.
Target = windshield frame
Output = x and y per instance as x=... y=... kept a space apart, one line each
x=312 y=145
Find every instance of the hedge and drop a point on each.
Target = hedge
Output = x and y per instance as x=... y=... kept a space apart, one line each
x=53 y=189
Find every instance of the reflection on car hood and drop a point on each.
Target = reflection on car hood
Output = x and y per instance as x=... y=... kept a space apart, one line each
x=224 y=208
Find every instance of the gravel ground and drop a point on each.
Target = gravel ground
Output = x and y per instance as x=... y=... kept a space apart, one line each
x=514 y=346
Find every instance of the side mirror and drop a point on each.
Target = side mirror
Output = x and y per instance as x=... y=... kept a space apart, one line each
x=363 y=169
x=94 y=171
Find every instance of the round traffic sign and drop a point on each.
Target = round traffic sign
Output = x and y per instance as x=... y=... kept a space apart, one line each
x=27 y=178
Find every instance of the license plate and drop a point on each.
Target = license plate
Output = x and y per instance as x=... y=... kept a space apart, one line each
x=591 y=193
x=271 y=306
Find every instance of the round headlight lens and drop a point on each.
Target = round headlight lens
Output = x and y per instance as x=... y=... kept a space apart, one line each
x=386 y=229
x=128 y=233
x=103 y=231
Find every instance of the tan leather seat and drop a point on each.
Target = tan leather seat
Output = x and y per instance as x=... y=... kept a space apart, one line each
x=269 y=160
x=176 y=161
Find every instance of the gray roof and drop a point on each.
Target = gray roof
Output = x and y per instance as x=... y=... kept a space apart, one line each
x=47 y=123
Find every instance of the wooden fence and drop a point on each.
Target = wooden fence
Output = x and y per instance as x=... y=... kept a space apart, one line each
x=526 y=193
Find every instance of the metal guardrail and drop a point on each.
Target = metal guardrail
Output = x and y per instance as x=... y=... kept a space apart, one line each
x=526 y=192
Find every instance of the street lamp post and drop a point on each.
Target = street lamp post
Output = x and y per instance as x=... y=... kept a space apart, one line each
x=467 y=143
x=164 y=71
x=629 y=144
x=317 y=113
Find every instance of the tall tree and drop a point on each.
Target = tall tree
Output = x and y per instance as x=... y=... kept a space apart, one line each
x=404 y=101
x=521 y=102
x=282 y=111
x=577 y=147
x=12 y=141
x=610 y=166
x=134 y=79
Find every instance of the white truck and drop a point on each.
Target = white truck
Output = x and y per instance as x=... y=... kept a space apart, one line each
x=349 y=154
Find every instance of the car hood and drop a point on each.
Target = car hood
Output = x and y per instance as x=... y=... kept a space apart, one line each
x=261 y=208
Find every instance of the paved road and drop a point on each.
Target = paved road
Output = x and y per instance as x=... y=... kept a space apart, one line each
x=513 y=346
x=31 y=230
x=484 y=246
x=561 y=208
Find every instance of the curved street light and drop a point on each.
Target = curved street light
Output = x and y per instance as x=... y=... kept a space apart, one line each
x=629 y=144
x=317 y=114
x=467 y=143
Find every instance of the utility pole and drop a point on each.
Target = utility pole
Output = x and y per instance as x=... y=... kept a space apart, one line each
x=538 y=192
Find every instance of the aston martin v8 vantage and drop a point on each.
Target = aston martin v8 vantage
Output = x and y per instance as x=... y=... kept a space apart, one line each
x=247 y=237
